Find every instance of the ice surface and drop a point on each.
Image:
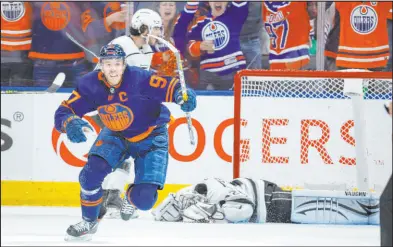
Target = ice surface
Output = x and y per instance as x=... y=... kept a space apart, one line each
x=44 y=226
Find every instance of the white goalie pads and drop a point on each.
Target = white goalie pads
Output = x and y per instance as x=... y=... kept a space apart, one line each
x=168 y=210
x=335 y=207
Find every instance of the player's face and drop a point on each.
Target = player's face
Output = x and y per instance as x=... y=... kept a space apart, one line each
x=113 y=70
x=218 y=8
x=167 y=10
x=156 y=31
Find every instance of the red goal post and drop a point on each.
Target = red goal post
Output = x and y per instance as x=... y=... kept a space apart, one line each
x=257 y=84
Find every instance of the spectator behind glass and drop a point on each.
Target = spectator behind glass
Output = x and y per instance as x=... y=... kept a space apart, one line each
x=16 y=22
x=390 y=34
x=251 y=35
x=288 y=25
x=168 y=13
x=361 y=44
x=52 y=52
x=101 y=23
x=215 y=39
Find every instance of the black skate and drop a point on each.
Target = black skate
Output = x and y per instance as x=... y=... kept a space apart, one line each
x=82 y=231
x=128 y=211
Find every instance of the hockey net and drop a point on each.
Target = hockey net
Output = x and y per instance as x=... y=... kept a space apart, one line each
x=298 y=128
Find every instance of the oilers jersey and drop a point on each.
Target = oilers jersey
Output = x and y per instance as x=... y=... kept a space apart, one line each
x=288 y=25
x=224 y=30
x=132 y=108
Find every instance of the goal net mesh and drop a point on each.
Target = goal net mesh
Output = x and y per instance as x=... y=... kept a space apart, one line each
x=300 y=130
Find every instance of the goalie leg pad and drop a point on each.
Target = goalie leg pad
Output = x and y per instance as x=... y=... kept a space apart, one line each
x=334 y=207
x=142 y=196
x=168 y=210
x=90 y=179
x=109 y=147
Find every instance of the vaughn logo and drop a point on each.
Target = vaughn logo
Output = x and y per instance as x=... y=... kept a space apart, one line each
x=355 y=193
x=6 y=140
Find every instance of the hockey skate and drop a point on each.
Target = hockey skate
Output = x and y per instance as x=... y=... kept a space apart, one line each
x=128 y=211
x=110 y=208
x=82 y=231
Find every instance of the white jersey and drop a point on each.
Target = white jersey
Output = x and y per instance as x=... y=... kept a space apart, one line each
x=134 y=56
x=242 y=191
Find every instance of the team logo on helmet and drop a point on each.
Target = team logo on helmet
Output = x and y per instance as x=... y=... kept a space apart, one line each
x=218 y=32
x=111 y=51
x=364 y=19
x=12 y=11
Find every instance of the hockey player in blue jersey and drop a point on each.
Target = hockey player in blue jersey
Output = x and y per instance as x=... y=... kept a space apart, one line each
x=129 y=102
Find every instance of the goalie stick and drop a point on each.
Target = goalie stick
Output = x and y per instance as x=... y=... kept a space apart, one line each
x=182 y=82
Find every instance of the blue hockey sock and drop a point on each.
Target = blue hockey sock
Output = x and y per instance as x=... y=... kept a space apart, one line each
x=90 y=179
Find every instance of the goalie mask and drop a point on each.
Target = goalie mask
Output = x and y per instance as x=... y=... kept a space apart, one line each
x=146 y=20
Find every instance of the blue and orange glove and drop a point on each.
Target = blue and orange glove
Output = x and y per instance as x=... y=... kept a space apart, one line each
x=73 y=126
x=190 y=104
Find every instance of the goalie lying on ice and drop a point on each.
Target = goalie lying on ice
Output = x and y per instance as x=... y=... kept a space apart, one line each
x=245 y=200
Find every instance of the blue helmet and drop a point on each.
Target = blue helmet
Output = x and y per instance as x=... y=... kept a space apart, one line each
x=112 y=51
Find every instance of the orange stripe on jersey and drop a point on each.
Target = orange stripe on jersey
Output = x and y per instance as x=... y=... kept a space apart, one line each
x=330 y=54
x=17 y=34
x=24 y=47
x=168 y=92
x=219 y=64
x=75 y=98
x=64 y=103
x=142 y=136
x=71 y=56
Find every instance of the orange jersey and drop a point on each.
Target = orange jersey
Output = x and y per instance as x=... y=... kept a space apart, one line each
x=363 y=37
x=288 y=25
x=16 y=22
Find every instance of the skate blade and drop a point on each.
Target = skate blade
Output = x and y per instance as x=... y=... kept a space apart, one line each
x=83 y=238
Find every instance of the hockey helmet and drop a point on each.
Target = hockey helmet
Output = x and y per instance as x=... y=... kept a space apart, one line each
x=112 y=51
x=146 y=18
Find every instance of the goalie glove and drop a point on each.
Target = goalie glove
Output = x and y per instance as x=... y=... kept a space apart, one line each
x=203 y=213
x=188 y=198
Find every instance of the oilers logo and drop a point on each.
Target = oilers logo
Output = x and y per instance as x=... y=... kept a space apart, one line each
x=116 y=117
x=218 y=32
x=364 y=19
x=12 y=11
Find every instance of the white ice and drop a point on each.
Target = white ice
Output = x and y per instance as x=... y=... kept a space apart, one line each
x=45 y=226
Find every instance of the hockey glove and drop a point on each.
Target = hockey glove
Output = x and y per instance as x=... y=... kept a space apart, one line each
x=190 y=104
x=74 y=129
x=203 y=213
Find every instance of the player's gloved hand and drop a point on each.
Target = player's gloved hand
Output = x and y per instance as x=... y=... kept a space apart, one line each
x=188 y=105
x=74 y=129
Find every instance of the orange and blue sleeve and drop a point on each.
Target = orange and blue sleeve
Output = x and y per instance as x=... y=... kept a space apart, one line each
x=161 y=88
x=75 y=106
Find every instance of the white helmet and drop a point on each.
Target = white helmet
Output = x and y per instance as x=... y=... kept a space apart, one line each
x=146 y=17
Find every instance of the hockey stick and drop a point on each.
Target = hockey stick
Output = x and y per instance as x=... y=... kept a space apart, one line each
x=182 y=82
x=79 y=44
x=57 y=83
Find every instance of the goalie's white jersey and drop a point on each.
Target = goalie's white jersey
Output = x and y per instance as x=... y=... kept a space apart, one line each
x=242 y=192
x=134 y=56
